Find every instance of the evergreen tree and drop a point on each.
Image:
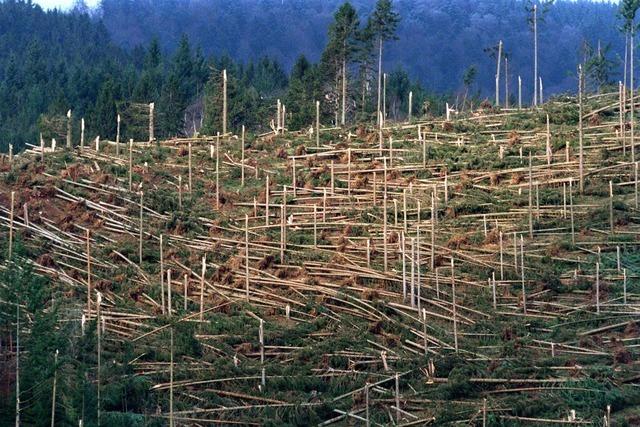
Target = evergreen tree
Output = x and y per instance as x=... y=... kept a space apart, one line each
x=173 y=103
x=148 y=88
x=343 y=39
x=177 y=92
x=243 y=104
x=364 y=58
x=468 y=80
x=305 y=88
x=105 y=114
x=598 y=68
x=382 y=26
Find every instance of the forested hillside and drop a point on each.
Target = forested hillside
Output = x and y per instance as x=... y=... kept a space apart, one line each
x=128 y=53
x=437 y=39
x=298 y=213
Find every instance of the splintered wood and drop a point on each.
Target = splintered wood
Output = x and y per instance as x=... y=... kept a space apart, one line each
x=411 y=244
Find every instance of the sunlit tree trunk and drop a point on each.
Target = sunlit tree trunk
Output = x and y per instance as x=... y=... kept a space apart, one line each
x=631 y=73
x=379 y=80
x=499 y=61
x=344 y=92
x=535 y=55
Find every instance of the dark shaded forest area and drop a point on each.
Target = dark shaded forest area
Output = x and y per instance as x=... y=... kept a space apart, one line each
x=437 y=39
x=128 y=53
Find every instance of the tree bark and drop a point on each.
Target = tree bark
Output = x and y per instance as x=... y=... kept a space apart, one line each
x=379 y=121
x=499 y=62
x=535 y=55
x=344 y=92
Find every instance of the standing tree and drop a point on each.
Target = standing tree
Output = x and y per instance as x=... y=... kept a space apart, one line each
x=598 y=67
x=364 y=58
x=537 y=15
x=105 y=114
x=496 y=53
x=343 y=38
x=148 y=87
x=628 y=11
x=468 y=80
x=177 y=91
x=382 y=26
x=304 y=89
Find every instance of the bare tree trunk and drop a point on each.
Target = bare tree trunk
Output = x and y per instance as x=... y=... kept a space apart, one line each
x=499 y=62
x=69 y=122
x=519 y=93
x=99 y=333
x=203 y=273
x=384 y=99
x=218 y=171
x=535 y=55
x=88 y=273
x=633 y=120
x=506 y=82
x=317 y=123
x=379 y=122
x=130 y=164
x=344 y=93
x=53 y=394
x=580 y=127
x=82 y=134
x=224 y=102
x=18 y=364
x=118 y=137
x=364 y=90
x=13 y=202
x=151 y=125
x=246 y=254
x=141 y=229
x=242 y=161
x=171 y=421
x=626 y=59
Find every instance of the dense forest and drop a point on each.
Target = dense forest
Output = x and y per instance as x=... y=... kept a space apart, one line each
x=437 y=39
x=126 y=54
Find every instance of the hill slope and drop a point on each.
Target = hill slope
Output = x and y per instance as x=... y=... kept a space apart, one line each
x=438 y=39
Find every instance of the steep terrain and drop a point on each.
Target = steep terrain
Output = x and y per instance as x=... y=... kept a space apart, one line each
x=434 y=272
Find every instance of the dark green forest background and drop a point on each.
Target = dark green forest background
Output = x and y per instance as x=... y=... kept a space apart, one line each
x=126 y=53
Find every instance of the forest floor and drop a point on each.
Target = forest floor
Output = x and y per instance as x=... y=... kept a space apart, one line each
x=516 y=303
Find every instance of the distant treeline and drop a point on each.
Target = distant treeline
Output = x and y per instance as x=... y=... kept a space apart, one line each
x=128 y=53
x=438 y=40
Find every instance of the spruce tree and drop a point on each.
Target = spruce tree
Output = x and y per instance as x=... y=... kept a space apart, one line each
x=343 y=39
x=382 y=26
